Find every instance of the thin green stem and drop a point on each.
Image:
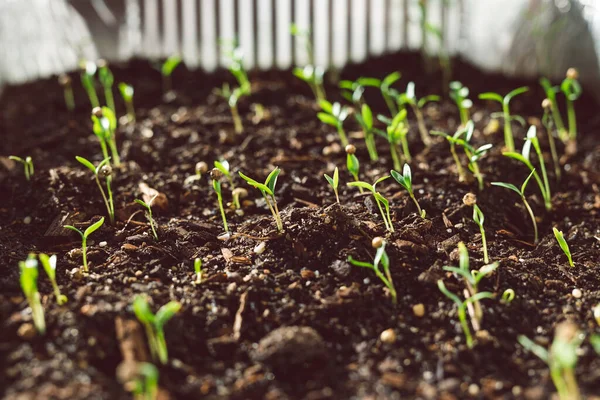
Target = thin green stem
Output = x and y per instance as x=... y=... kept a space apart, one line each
x=342 y=135
x=237 y=122
x=84 y=252
x=130 y=110
x=548 y=195
x=462 y=317
x=405 y=149
x=532 y=216
x=220 y=200
x=459 y=168
x=555 y=159
x=412 y=196
x=572 y=120
x=114 y=151
x=484 y=245
x=106 y=202
x=104 y=148
x=69 y=98
x=371 y=148
x=508 y=135
x=110 y=100
x=152 y=224
x=395 y=158
x=560 y=126
x=425 y=137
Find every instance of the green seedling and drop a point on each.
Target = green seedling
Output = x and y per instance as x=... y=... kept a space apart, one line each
x=148 y=212
x=236 y=67
x=352 y=163
x=268 y=191
x=237 y=194
x=84 y=236
x=105 y=127
x=385 y=86
x=28 y=279
x=49 y=264
x=395 y=133
x=551 y=92
x=311 y=74
x=146 y=382
x=521 y=192
x=479 y=218
x=88 y=70
x=216 y=176
x=572 y=91
x=107 y=79
x=409 y=97
x=548 y=123
x=365 y=119
x=167 y=70
x=405 y=180
x=505 y=101
x=460 y=94
x=334 y=114
x=353 y=90
x=64 y=80
x=453 y=141
x=127 y=94
x=154 y=324
x=334 y=183
x=223 y=166
x=103 y=170
x=561 y=358
x=471 y=279
x=508 y=296
x=27 y=165
x=473 y=154
x=523 y=157
x=199 y=272
x=563 y=245
x=382 y=202
x=381 y=258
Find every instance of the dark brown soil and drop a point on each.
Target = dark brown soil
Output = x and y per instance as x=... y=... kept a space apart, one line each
x=224 y=342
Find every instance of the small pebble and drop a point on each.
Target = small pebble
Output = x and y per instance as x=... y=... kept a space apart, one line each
x=27 y=220
x=260 y=248
x=577 y=293
x=102 y=244
x=138 y=273
x=473 y=389
x=388 y=336
x=307 y=274
x=26 y=331
x=419 y=310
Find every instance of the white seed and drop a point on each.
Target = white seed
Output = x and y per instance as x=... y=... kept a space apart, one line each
x=102 y=244
x=260 y=248
x=577 y=293
x=388 y=336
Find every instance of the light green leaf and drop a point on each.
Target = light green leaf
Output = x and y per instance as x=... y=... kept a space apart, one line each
x=94 y=227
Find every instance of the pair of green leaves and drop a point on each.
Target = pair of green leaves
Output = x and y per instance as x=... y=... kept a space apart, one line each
x=333 y=114
x=404 y=179
x=563 y=245
x=170 y=64
x=266 y=188
x=381 y=258
x=89 y=230
x=460 y=93
x=335 y=180
x=396 y=128
x=410 y=97
x=472 y=277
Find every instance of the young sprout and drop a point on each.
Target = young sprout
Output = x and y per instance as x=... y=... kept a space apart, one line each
x=505 y=101
x=199 y=272
x=334 y=182
x=523 y=157
x=236 y=68
x=365 y=119
x=49 y=264
x=268 y=191
x=166 y=70
x=105 y=127
x=508 y=296
x=64 y=80
x=237 y=194
x=389 y=94
x=106 y=79
x=551 y=91
x=352 y=163
x=311 y=74
x=563 y=245
x=84 y=236
x=521 y=192
x=381 y=201
x=216 y=176
x=460 y=94
x=146 y=383
x=223 y=166
x=154 y=324
x=103 y=170
x=473 y=154
x=201 y=168
x=405 y=180
x=28 y=279
x=334 y=115
x=572 y=91
x=395 y=133
x=561 y=358
x=382 y=258
x=409 y=97
x=453 y=141
x=548 y=124
x=149 y=217
x=88 y=70
x=127 y=94
x=479 y=218
x=27 y=165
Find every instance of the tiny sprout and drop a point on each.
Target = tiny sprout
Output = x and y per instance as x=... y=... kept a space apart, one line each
x=572 y=91
x=508 y=296
x=556 y=116
x=352 y=163
x=334 y=115
x=416 y=104
x=563 y=245
x=548 y=124
x=146 y=382
x=127 y=94
x=28 y=279
x=49 y=264
x=236 y=68
x=154 y=324
x=102 y=170
x=84 y=235
x=453 y=140
x=505 y=101
x=313 y=76
x=405 y=180
x=149 y=217
x=27 y=165
x=223 y=166
x=88 y=70
x=167 y=69
x=382 y=258
x=365 y=119
x=268 y=191
x=334 y=182
x=379 y=199
x=479 y=218
x=460 y=94
x=105 y=126
x=521 y=192
x=64 y=80
x=201 y=168
x=199 y=272
x=216 y=176
x=395 y=133
x=473 y=154
x=106 y=79
x=561 y=358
